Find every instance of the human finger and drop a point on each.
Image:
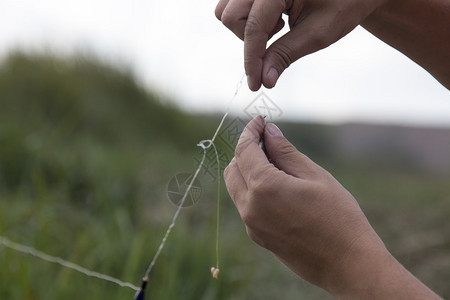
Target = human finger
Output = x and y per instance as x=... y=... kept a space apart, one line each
x=235 y=14
x=278 y=27
x=220 y=8
x=250 y=158
x=312 y=34
x=235 y=183
x=284 y=155
x=262 y=20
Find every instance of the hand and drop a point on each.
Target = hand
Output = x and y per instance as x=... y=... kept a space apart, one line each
x=297 y=210
x=314 y=25
x=293 y=207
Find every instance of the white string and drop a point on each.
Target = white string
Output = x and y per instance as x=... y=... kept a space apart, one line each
x=238 y=87
x=58 y=260
x=205 y=144
x=218 y=206
x=175 y=216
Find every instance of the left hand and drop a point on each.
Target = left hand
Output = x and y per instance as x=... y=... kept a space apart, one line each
x=314 y=25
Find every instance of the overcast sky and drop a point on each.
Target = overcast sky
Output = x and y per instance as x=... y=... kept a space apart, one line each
x=181 y=50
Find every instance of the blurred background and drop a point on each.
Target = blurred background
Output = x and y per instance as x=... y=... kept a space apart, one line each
x=103 y=102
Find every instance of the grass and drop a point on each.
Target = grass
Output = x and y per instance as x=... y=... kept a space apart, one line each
x=85 y=158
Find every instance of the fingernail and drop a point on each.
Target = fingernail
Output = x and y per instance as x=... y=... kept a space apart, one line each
x=272 y=77
x=263 y=119
x=251 y=83
x=274 y=130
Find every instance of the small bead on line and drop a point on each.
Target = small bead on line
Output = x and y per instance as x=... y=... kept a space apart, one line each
x=215 y=272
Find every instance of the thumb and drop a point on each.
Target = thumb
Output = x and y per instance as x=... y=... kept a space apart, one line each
x=303 y=39
x=284 y=155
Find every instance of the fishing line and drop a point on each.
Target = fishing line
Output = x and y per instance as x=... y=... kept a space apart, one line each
x=58 y=260
x=217 y=213
x=205 y=145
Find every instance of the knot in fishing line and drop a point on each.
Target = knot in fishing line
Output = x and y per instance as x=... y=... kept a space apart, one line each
x=205 y=144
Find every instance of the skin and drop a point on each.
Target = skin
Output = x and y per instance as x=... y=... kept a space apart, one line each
x=418 y=28
x=298 y=211
x=290 y=205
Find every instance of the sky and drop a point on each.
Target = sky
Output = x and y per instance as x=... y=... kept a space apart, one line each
x=180 y=49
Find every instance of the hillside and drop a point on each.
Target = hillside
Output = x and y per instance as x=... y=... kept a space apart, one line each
x=86 y=156
x=398 y=147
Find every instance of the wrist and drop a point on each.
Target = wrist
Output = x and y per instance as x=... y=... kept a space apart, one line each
x=360 y=269
x=369 y=271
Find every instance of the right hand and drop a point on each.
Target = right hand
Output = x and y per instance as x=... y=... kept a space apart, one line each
x=301 y=213
x=296 y=209
x=314 y=25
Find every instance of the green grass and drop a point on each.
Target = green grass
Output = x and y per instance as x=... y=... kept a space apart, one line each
x=85 y=158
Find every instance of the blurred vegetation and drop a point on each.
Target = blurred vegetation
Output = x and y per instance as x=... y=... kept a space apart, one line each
x=85 y=157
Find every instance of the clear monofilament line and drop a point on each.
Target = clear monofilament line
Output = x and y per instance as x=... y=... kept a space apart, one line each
x=175 y=216
x=238 y=88
x=177 y=212
x=58 y=260
x=218 y=206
